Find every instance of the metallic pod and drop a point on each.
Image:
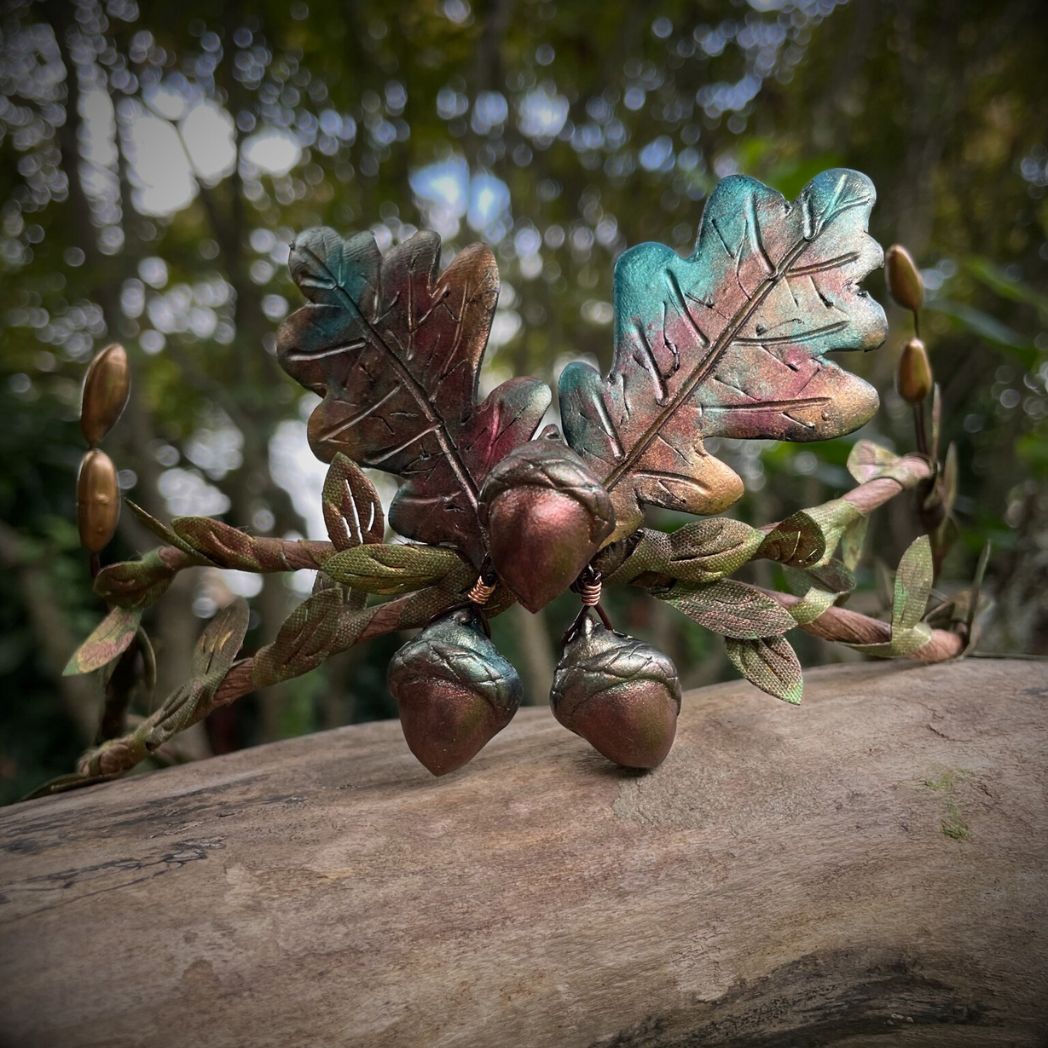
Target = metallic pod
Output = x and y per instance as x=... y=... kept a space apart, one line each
x=546 y=516
x=97 y=500
x=904 y=278
x=914 y=377
x=620 y=694
x=106 y=388
x=454 y=690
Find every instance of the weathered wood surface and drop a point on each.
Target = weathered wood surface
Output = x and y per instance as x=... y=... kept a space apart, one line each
x=867 y=869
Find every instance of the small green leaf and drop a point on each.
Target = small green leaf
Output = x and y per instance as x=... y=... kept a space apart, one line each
x=394 y=568
x=710 y=549
x=814 y=599
x=868 y=460
x=834 y=519
x=833 y=576
x=769 y=663
x=732 y=609
x=145 y=646
x=797 y=540
x=949 y=479
x=164 y=533
x=819 y=588
x=215 y=652
x=222 y=543
x=305 y=639
x=135 y=583
x=852 y=542
x=913 y=585
x=65 y=783
x=810 y=536
x=216 y=649
x=110 y=639
x=351 y=598
x=322 y=626
x=352 y=509
x=902 y=644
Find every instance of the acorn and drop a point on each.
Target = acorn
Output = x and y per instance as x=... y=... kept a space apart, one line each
x=620 y=694
x=106 y=388
x=546 y=515
x=454 y=690
x=915 y=372
x=97 y=500
x=904 y=278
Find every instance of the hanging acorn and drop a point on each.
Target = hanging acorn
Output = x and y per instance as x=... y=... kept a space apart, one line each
x=620 y=694
x=454 y=690
x=546 y=515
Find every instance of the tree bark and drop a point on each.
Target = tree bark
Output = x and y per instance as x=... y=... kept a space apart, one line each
x=866 y=869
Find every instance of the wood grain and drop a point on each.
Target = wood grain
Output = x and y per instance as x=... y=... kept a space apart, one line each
x=866 y=869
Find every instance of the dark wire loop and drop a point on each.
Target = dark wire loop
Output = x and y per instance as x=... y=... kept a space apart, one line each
x=588 y=586
x=481 y=592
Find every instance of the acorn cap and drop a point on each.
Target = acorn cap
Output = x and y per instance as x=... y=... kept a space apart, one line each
x=904 y=278
x=620 y=694
x=546 y=515
x=106 y=388
x=454 y=690
x=97 y=500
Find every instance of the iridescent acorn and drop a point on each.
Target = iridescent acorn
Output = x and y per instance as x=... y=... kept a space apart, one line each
x=620 y=694
x=454 y=690
x=546 y=516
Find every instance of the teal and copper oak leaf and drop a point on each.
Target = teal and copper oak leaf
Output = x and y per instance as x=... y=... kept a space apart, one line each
x=394 y=347
x=730 y=342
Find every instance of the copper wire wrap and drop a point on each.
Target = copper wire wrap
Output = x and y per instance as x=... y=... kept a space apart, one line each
x=481 y=591
x=589 y=591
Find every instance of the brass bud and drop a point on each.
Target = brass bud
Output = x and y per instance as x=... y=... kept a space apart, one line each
x=106 y=387
x=546 y=515
x=620 y=694
x=904 y=278
x=915 y=372
x=454 y=690
x=97 y=500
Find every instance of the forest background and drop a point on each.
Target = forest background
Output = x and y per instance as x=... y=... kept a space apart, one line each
x=157 y=159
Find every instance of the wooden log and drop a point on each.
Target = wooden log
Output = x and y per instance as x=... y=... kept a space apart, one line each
x=866 y=869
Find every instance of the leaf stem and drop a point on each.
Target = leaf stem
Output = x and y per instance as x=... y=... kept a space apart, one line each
x=850 y=627
x=919 y=428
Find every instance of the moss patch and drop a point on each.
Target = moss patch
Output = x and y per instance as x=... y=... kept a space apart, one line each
x=953 y=825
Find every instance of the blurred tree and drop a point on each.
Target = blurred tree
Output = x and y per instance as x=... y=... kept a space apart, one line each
x=157 y=161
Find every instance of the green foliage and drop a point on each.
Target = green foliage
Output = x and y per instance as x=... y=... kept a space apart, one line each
x=398 y=568
x=731 y=609
x=769 y=663
x=107 y=642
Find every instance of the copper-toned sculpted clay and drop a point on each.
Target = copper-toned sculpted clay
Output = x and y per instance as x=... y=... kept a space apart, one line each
x=547 y=516
x=107 y=385
x=732 y=341
x=395 y=348
x=454 y=691
x=620 y=694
